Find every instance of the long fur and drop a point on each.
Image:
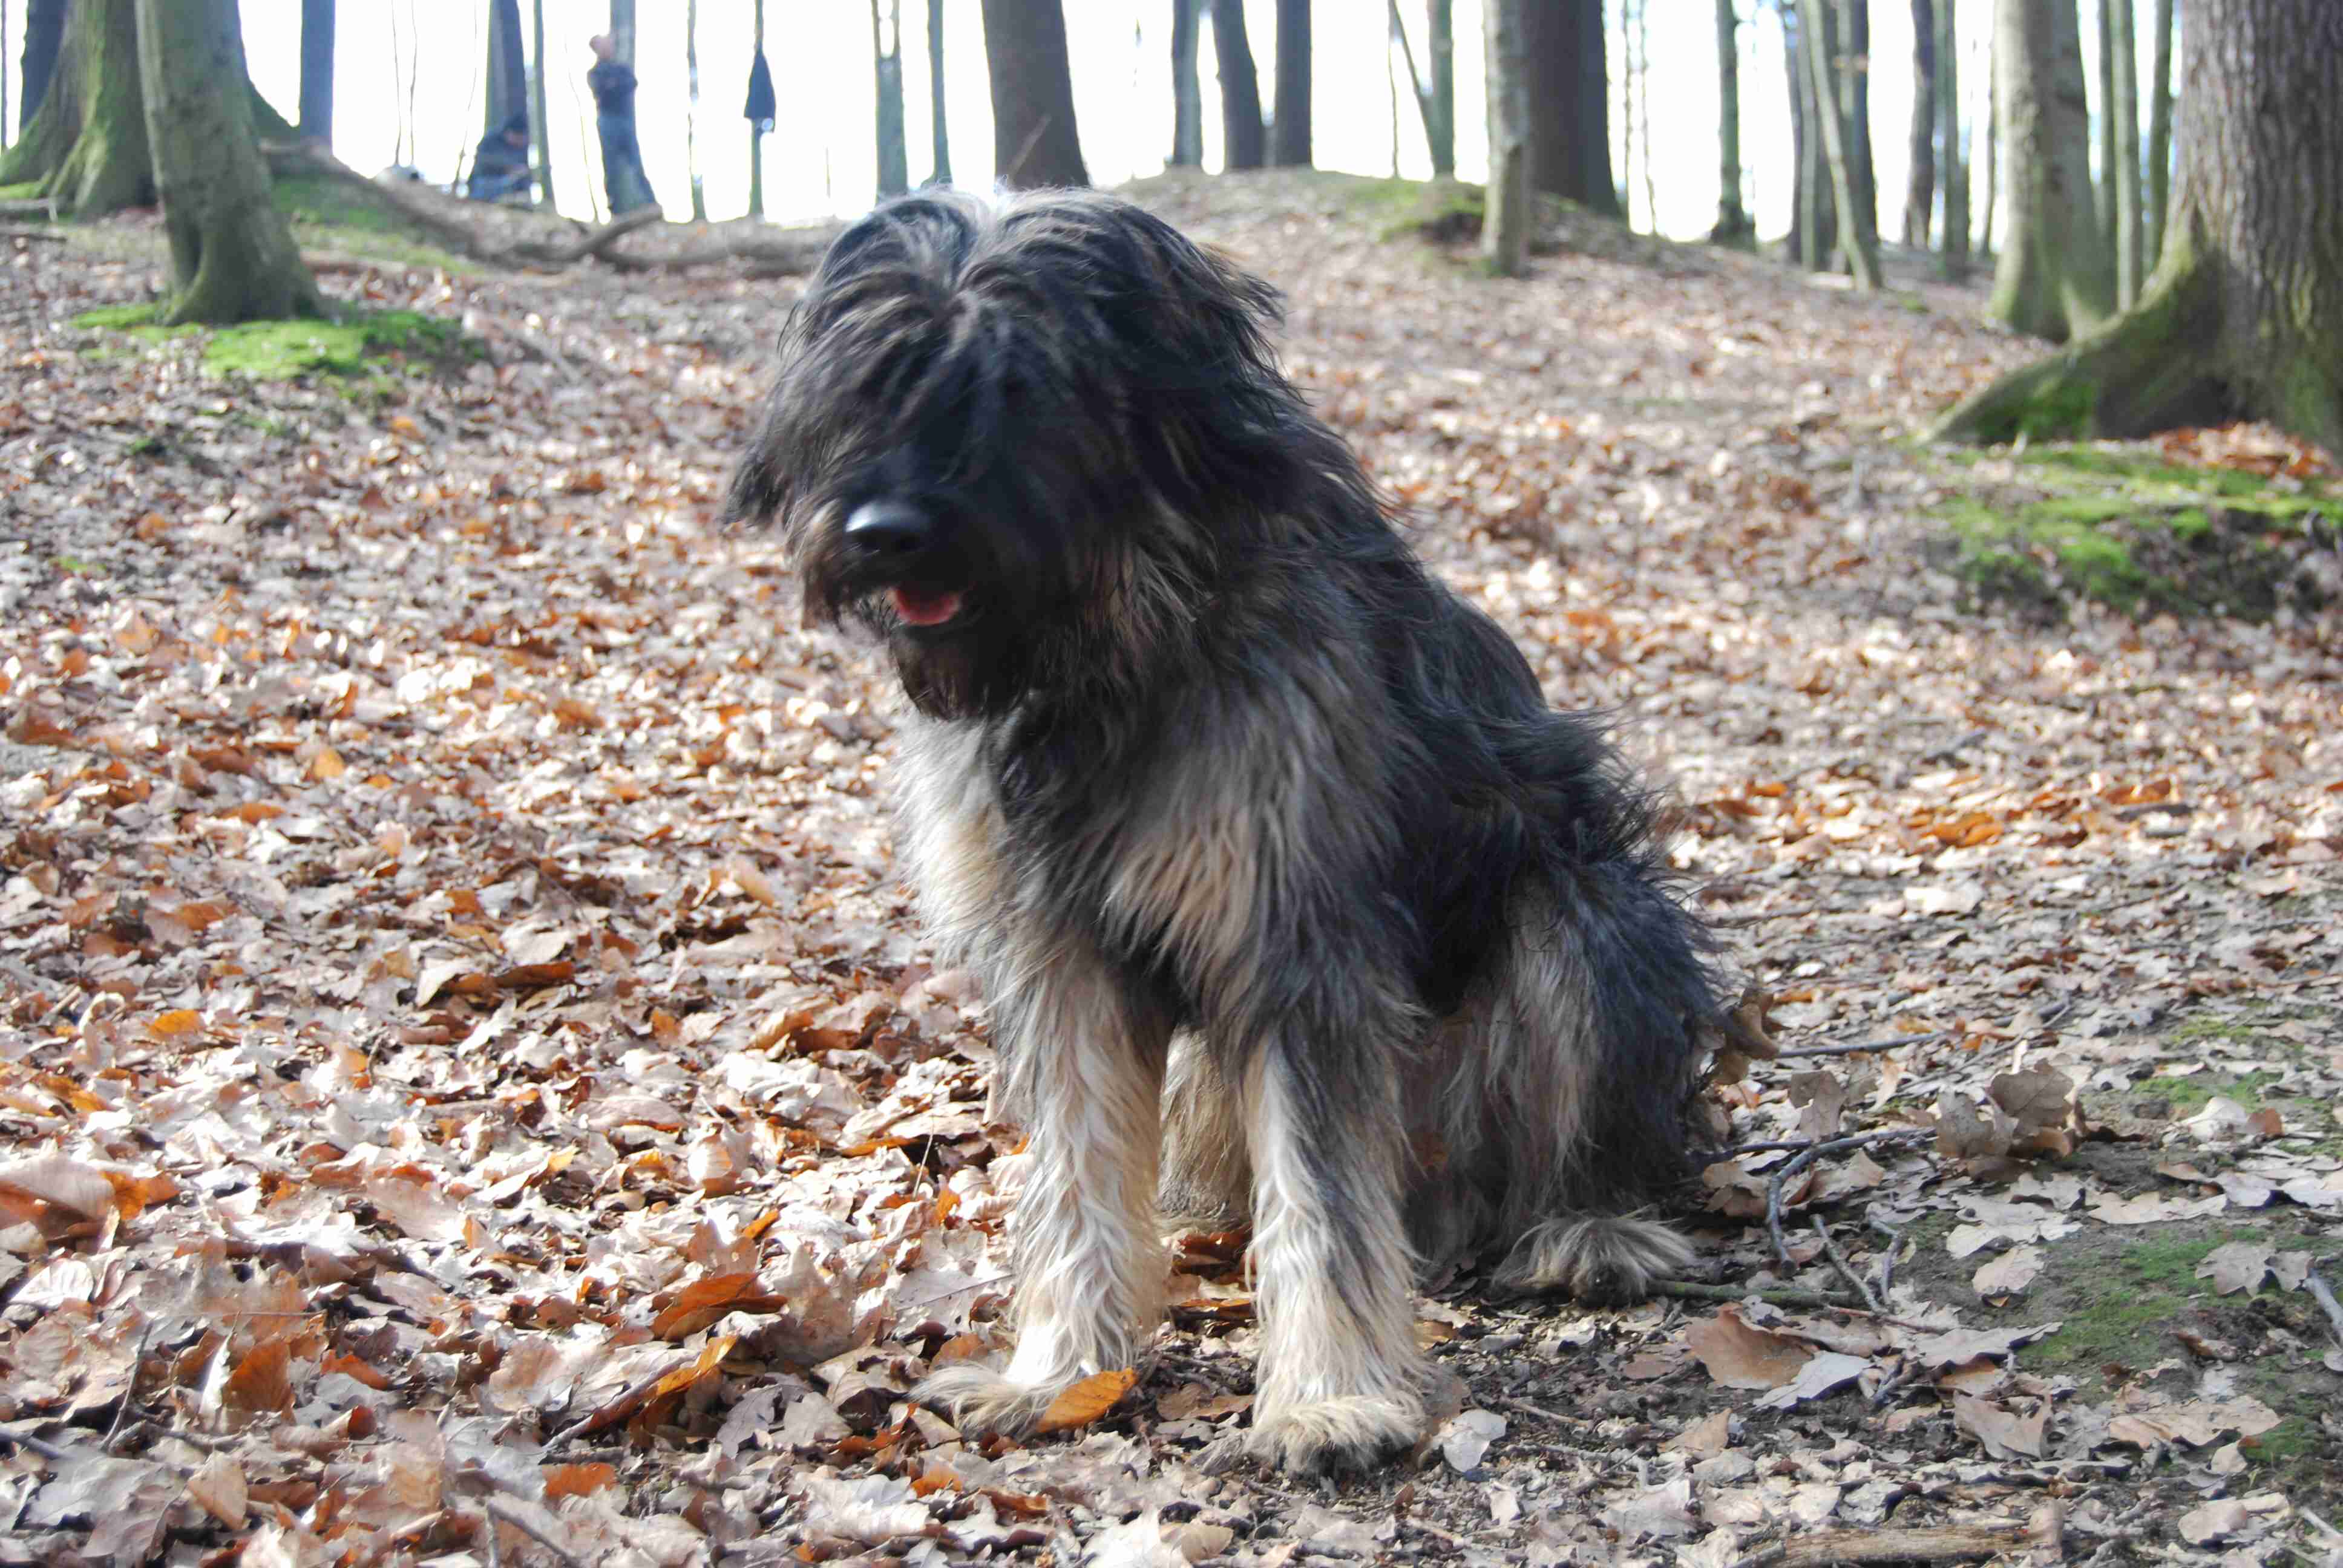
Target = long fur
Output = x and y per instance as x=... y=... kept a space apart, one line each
x=1266 y=844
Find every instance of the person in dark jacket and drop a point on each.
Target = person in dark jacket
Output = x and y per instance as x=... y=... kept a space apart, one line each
x=613 y=83
x=500 y=163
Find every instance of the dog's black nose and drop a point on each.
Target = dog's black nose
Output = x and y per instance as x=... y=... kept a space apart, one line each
x=890 y=528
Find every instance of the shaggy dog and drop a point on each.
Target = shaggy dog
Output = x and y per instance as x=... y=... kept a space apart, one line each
x=1292 y=897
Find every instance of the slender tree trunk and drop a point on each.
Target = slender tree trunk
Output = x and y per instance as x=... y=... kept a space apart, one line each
x=318 y=71
x=691 y=109
x=232 y=253
x=1569 y=103
x=1630 y=80
x=756 y=131
x=1290 y=125
x=2106 y=126
x=1034 y=142
x=1955 y=165
x=2159 y=132
x=45 y=31
x=1435 y=94
x=1853 y=74
x=941 y=151
x=1819 y=216
x=1920 y=190
x=1391 y=89
x=1809 y=198
x=2244 y=317
x=1733 y=226
x=887 y=58
x=1243 y=144
x=1187 y=92
x=2053 y=280
x=1505 y=222
x=1643 y=109
x=1992 y=136
x=2128 y=246
x=536 y=119
x=1862 y=250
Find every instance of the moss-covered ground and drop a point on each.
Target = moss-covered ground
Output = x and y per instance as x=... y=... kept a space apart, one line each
x=363 y=343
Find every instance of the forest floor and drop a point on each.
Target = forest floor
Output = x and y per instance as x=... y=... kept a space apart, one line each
x=472 y=1090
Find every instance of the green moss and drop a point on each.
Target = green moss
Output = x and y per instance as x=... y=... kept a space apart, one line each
x=2191 y=523
x=29 y=190
x=326 y=214
x=365 y=343
x=2121 y=1313
x=2059 y=412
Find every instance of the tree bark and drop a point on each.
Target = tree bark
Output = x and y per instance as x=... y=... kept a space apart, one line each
x=507 y=66
x=2160 y=134
x=2052 y=280
x=1853 y=73
x=1033 y=137
x=691 y=110
x=1920 y=190
x=1733 y=226
x=1290 y=124
x=2125 y=176
x=1569 y=103
x=1505 y=220
x=536 y=119
x=941 y=142
x=232 y=252
x=1952 y=164
x=1992 y=137
x=887 y=62
x=1187 y=92
x=1243 y=142
x=86 y=148
x=44 y=31
x=1435 y=93
x=318 y=71
x=1861 y=247
x=2243 y=315
x=1809 y=241
x=2104 y=125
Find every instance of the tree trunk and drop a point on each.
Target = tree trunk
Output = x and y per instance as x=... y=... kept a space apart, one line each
x=886 y=56
x=232 y=252
x=1798 y=246
x=1992 y=137
x=1506 y=221
x=44 y=31
x=691 y=110
x=1862 y=249
x=2159 y=133
x=1187 y=93
x=1441 y=34
x=1818 y=213
x=1243 y=144
x=537 y=120
x=508 y=66
x=941 y=149
x=756 y=130
x=1733 y=225
x=86 y=148
x=1033 y=137
x=2106 y=126
x=2244 y=317
x=1642 y=46
x=1630 y=79
x=1954 y=168
x=2129 y=249
x=318 y=71
x=1569 y=102
x=2052 y=281
x=1920 y=190
x=622 y=30
x=1290 y=125
x=1853 y=73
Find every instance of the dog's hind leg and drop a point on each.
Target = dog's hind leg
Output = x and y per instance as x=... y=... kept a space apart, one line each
x=1207 y=1171
x=1084 y=1060
x=1341 y=1384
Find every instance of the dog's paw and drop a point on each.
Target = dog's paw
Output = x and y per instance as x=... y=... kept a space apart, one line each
x=981 y=1399
x=1603 y=1260
x=1334 y=1436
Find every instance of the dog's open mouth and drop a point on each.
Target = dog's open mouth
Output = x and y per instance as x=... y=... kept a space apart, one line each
x=924 y=607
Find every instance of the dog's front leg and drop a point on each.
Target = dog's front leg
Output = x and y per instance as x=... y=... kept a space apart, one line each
x=1340 y=1384
x=1084 y=1064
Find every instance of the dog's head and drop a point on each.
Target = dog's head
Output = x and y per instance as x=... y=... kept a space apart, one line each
x=1018 y=439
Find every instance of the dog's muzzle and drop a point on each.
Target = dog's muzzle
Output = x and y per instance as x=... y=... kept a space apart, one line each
x=896 y=543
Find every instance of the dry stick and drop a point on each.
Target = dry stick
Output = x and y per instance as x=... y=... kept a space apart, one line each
x=1846 y=1270
x=1693 y=1291
x=2325 y=1296
x=497 y=1510
x=1949 y=1544
x=1887 y=1259
x=1776 y=1145
x=46 y=1448
x=1798 y=1163
x=130 y=1392
x=1898 y=1043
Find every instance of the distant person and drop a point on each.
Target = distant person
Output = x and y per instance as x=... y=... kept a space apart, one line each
x=500 y=163
x=613 y=83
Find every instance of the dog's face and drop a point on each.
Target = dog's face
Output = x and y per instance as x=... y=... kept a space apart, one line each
x=1008 y=439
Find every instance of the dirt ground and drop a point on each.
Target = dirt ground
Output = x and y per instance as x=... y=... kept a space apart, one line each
x=472 y=1090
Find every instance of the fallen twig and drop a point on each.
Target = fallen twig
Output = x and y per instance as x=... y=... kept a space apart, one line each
x=2324 y=1294
x=1898 y=1043
x=496 y=1509
x=41 y=1446
x=1693 y=1291
x=49 y=236
x=1776 y=1145
x=1887 y=1254
x=1846 y=1269
x=1946 y=1544
x=1798 y=1163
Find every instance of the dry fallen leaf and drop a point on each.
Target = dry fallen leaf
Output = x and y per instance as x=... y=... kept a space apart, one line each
x=1087 y=1401
x=1739 y=1355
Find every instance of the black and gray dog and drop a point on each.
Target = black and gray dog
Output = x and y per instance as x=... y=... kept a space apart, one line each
x=1291 y=897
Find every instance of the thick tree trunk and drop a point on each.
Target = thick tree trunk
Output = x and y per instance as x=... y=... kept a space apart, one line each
x=2244 y=317
x=1505 y=222
x=1955 y=167
x=85 y=149
x=2053 y=280
x=1920 y=189
x=1733 y=226
x=2159 y=133
x=941 y=149
x=1853 y=72
x=1813 y=220
x=1243 y=144
x=44 y=31
x=507 y=65
x=1290 y=124
x=1033 y=137
x=318 y=71
x=232 y=253
x=887 y=61
x=1569 y=102
x=1187 y=92
x=2123 y=177
x=1861 y=246
x=537 y=120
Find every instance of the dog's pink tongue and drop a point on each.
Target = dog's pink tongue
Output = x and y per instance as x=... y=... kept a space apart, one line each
x=923 y=607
